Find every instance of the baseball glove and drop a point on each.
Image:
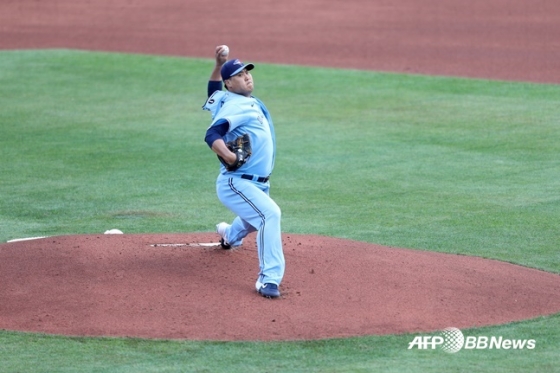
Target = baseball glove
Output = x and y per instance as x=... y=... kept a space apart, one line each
x=241 y=146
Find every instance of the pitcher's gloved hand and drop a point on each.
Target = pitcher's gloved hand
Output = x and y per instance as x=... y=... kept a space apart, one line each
x=241 y=147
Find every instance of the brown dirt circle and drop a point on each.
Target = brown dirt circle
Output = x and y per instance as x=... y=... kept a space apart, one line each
x=123 y=285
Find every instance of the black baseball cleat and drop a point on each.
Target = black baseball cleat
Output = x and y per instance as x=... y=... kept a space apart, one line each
x=269 y=290
x=224 y=244
x=221 y=230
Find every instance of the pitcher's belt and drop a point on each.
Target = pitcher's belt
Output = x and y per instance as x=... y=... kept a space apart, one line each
x=255 y=178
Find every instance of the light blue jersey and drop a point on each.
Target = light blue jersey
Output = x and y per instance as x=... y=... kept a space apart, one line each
x=246 y=115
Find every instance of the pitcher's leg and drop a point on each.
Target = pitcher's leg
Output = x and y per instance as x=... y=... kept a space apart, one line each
x=252 y=204
x=233 y=233
x=269 y=244
x=238 y=230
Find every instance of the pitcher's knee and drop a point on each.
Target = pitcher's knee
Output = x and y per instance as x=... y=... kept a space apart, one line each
x=271 y=215
x=274 y=212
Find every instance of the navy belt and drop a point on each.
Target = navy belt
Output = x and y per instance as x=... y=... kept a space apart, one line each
x=255 y=178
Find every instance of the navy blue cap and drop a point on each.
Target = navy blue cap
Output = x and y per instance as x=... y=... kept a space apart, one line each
x=234 y=67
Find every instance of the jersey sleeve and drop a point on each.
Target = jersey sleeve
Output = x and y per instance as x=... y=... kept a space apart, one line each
x=216 y=131
x=213 y=86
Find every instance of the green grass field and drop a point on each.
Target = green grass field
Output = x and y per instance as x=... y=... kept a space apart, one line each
x=93 y=141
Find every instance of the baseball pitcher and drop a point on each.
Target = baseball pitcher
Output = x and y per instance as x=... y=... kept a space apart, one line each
x=242 y=136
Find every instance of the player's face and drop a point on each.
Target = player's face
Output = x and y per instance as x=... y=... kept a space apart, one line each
x=241 y=83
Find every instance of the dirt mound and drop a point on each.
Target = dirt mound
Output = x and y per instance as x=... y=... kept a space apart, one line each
x=168 y=286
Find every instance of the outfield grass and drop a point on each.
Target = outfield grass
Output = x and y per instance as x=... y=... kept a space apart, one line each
x=93 y=141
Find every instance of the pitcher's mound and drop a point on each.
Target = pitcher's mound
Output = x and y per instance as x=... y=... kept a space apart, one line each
x=170 y=286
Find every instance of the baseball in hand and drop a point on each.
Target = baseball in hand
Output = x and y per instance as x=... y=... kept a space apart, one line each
x=225 y=50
